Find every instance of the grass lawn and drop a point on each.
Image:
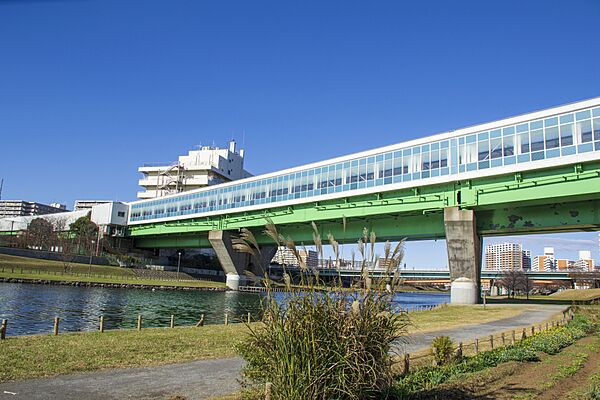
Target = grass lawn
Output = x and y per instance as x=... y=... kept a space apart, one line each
x=446 y=317
x=31 y=268
x=45 y=355
x=8 y=261
x=577 y=295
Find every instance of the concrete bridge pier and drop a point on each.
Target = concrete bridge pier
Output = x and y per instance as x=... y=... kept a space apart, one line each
x=464 y=255
x=235 y=263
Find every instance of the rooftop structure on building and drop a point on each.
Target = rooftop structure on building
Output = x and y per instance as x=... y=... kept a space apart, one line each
x=88 y=204
x=19 y=208
x=199 y=168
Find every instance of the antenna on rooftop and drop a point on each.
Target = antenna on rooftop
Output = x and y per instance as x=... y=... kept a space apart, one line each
x=1 y=186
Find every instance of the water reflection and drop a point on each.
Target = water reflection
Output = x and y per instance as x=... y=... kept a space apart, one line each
x=31 y=308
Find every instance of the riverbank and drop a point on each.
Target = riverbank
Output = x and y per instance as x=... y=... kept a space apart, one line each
x=33 y=356
x=36 y=271
x=565 y=297
x=110 y=283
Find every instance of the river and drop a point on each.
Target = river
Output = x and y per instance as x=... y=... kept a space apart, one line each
x=31 y=308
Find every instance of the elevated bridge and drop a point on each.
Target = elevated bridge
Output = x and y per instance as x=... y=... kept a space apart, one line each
x=533 y=173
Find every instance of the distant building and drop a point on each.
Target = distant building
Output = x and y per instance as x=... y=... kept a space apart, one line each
x=110 y=217
x=546 y=262
x=526 y=259
x=285 y=256
x=564 y=264
x=506 y=256
x=20 y=208
x=200 y=168
x=88 y=204
x=585 y=262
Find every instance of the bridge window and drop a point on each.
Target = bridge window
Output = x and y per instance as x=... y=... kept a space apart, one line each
x=537 y=140
x=566 y=135
x=496 y=148
x=444 y=157
x=597 y=129
x=483 y=150
x=552 y=138
x=523 y=140
x=584 y=131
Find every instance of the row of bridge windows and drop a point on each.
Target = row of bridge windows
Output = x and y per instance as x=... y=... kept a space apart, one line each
x=557 y=136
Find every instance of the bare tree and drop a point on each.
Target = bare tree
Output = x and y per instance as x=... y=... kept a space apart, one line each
x=63 y=242
x=513 y=280
x=526 y=284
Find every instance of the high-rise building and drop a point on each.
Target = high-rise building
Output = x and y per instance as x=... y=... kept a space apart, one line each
x=285 y=256
x=506 y=256
x=527 y=259
x=20 y=208
x=585 y=262
x=546 y=262
x=200 y=168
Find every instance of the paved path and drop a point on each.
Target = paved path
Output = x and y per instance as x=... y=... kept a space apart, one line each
x=206 y=378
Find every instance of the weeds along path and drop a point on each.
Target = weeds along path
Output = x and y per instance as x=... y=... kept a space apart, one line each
x=566 y=375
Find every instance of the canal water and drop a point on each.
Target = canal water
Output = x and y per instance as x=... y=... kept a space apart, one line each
x=31 y=308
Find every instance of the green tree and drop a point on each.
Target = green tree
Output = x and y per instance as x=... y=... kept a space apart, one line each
x=39 y=234
x=85 y=231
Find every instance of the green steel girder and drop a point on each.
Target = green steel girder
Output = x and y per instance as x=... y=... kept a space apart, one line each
x=550 y=200
x=549 y=218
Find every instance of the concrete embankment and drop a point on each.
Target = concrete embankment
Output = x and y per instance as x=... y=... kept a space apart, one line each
x=109 y=285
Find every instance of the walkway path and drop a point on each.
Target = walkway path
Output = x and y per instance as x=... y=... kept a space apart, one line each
x=205 y=378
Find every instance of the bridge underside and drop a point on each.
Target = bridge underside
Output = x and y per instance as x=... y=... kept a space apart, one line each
x=542 y=201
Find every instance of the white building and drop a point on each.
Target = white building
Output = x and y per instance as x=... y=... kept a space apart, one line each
x=200 y=168
x=88 y=204
x=110 y=217
x=285 y=256
x=546 y=262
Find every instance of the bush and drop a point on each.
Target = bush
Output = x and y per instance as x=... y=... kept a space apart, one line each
x=442 y=349
x=312 y=346
x=316 y=345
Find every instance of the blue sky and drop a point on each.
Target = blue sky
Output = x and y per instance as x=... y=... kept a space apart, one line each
x=90 y=89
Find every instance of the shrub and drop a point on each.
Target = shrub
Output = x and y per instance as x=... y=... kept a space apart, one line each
x=316 y=345
x=442 y=348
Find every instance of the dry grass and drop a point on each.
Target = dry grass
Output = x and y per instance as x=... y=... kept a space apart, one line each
x=8 y=261
x=577 y=295
x=448 y=316
x=44 y=355
x=31 y=268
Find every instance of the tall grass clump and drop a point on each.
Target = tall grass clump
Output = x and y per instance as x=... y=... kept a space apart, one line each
x=324 y=345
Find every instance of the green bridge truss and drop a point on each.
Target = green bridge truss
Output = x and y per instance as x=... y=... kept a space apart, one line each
x=538 y=201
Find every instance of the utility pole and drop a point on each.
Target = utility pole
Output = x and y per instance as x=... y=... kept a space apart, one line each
x=178 y=260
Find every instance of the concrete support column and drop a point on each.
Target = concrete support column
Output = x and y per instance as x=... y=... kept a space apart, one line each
x=233 y=263
x=464 y=255
x=261 y=267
